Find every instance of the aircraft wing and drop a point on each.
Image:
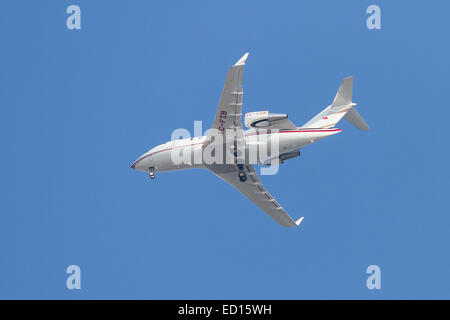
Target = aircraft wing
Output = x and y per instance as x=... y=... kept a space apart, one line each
x=229 y=112
x=253 y=189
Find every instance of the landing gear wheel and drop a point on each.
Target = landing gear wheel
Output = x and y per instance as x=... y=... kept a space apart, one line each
x=242 y=176
x=151 y=173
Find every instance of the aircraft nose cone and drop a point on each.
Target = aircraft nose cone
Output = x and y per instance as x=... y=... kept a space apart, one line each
x=138 y=163
x=142 y=163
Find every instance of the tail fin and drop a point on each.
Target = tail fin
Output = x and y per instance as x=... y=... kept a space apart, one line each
x=345 y=92
x=342 y=107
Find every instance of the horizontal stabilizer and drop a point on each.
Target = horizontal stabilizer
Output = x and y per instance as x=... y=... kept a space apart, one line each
x=342 y=107
x=355 y=119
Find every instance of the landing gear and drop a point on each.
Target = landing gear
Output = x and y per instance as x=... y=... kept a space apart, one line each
x=152 y=173
x=242 y=175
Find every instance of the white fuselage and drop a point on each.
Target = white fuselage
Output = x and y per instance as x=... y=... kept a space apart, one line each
x=160 y=158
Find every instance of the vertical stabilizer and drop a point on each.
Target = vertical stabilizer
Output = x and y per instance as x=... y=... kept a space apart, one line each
x=342 y=107
x=344 y=94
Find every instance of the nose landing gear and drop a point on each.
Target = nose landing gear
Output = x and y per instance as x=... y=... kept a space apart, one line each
x=152 y=173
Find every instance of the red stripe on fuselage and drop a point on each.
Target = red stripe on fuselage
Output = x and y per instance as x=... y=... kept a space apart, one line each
x=289 y=131
x=250 y=134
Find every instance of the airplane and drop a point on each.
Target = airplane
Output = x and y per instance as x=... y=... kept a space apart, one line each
x=228 y=137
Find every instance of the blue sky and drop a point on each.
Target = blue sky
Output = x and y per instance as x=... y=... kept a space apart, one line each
x=79 y=106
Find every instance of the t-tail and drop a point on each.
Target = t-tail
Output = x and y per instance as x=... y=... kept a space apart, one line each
x=342 y=107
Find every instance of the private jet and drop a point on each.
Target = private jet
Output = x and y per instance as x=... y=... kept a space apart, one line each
x=230 y=147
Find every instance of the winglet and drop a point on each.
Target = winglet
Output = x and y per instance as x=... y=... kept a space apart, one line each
x=299 y=221
x=241 y=61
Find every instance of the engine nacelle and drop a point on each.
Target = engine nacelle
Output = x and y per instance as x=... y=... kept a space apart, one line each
x=282 y=157
x=262 y=119
x=289 y=155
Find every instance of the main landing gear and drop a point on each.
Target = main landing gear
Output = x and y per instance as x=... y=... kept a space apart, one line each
x=242 y=175
x=152 y=173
